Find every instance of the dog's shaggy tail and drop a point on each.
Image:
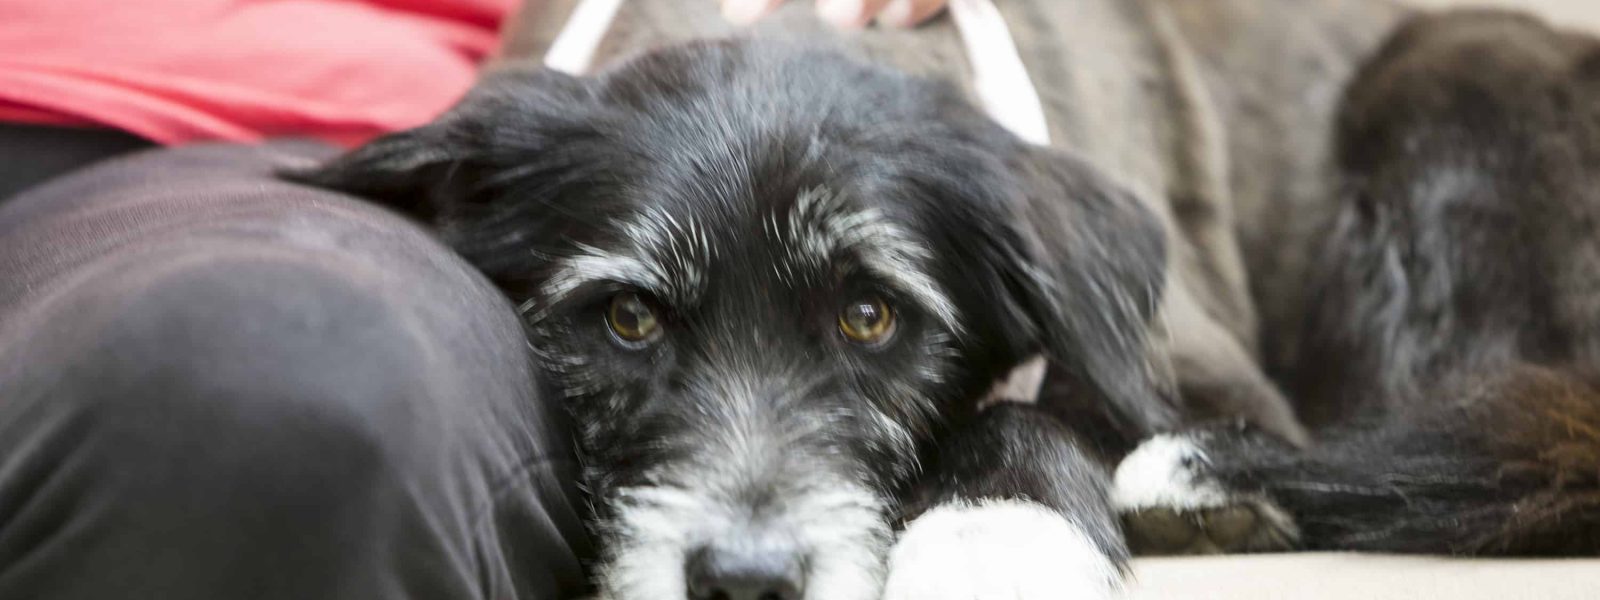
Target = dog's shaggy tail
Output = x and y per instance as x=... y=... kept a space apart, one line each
x=1502 y=468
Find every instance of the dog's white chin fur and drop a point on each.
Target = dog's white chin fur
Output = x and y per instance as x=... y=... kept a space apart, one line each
x=998 y=550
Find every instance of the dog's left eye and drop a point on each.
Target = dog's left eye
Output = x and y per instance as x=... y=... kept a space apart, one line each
x=867 y=320
x=632 y=320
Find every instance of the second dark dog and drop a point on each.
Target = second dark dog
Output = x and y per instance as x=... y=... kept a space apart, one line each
x=1450 y=365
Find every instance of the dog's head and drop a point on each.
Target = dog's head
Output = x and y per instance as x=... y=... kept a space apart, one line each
x=765 y=278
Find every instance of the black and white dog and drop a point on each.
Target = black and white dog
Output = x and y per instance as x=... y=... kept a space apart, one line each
x=772 y=282
x=775 y=284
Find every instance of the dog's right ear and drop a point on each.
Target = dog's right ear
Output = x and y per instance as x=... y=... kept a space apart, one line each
x=1090 y=273
x=512 y=123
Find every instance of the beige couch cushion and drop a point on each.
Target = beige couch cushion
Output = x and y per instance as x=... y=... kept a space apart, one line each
x=1361 y=577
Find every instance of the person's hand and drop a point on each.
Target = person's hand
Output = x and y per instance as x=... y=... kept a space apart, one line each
x=848 y=14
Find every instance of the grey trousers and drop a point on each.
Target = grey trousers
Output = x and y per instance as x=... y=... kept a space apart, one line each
x=217 y=385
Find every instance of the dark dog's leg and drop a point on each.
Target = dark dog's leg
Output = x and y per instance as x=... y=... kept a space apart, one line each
x=1015 y=506
x=1450 y=358
x=1507 y=467
x=1173 y=500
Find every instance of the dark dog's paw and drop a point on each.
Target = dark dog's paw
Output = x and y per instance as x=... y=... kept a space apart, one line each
x=1171 y=503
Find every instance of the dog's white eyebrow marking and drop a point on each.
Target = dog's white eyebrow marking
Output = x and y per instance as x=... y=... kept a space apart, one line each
x=681 y=246
x=657 y=252
x=591 y=265
x=821 y=227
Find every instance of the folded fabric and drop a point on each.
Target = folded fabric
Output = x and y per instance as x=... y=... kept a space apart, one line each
x=242 y=70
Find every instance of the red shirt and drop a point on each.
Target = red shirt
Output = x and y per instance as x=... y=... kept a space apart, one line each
x=180 y=70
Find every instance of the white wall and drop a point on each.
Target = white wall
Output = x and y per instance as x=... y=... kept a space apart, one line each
x=1568 y=13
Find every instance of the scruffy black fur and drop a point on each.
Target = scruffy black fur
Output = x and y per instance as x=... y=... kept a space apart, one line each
x=714 y=160
x=748 y=190
x=1450 y=364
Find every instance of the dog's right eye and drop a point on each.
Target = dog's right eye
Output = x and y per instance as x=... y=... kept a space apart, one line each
x=868 y=321
x=632 y=320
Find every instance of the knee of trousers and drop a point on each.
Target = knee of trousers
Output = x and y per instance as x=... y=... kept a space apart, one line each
x=265 y=403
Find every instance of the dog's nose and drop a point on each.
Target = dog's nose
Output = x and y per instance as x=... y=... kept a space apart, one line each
x=764 y=572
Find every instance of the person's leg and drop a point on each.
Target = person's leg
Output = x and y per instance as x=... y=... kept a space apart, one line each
x=33 y=154
x=217 y=385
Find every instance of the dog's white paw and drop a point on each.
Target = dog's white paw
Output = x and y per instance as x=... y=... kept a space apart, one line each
x=998 y=550
x=1171 y=504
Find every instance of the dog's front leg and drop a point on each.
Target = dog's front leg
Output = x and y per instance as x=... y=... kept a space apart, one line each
x=1016 y=507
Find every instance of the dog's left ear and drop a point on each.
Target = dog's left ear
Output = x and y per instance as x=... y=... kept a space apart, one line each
x=1087 y=271
x=514 y=121
x=410 y=171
